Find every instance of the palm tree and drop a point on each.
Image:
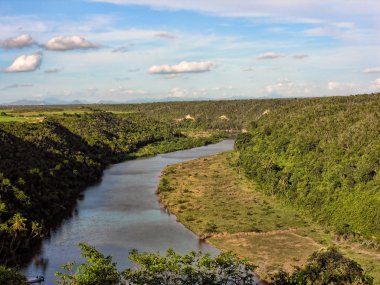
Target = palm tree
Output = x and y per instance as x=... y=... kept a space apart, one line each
x=17 y=225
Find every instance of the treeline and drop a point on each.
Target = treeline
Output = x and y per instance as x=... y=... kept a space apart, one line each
x=44 y=166
x=224 y=115
x=322 y=155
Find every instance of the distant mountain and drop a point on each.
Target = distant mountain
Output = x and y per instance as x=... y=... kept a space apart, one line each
x=46 y=101
x=168 y=99
x=56 y=101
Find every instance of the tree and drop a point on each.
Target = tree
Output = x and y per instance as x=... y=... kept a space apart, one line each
x=11 y=276
x=324 y=267
x=97 y=269
x=194 y=268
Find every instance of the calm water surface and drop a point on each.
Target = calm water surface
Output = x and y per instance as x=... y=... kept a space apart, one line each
x=122 y=213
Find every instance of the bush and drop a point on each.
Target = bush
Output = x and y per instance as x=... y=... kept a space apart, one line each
x=194 y=268
x=11 y=276
x=327 y=266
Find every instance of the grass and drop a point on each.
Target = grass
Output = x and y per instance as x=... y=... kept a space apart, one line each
x=212 y=199
x=18 y=119
x=36 y=116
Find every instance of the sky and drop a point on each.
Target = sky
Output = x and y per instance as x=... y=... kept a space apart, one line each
x=122 y=50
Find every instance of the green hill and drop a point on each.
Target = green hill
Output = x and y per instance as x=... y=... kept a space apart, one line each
x=322 y=155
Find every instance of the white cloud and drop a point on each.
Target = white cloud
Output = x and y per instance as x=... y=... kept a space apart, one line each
x=340 y=86
x=16 y=85
x=165 y=35
x=305 y=10
x=269 y=55
x=300 y=56
x=183 y=67
x=63 y=43
x=52 y=70
x=178 y=92
x=287 y=87
x=126 y=91
x=122 y=49
x=372 y=70
x=375 y=86
x=248 y=69
x=25 y=63
x=17 y=42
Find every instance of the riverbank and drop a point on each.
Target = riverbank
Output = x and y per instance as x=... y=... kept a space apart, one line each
x=215 y=201
x=44 y=168
x=121 y=213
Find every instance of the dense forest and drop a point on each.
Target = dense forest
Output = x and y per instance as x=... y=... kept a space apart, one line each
x=322 y=155
x=44 y=166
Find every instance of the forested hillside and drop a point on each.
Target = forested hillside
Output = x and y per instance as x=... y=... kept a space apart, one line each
x=228 y=114
x=44 y=166
x=322 y=155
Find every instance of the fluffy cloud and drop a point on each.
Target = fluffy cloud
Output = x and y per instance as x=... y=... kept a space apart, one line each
x=178 y=92
x=269 y=55
x=372 y=70
x=183 y=67
x=375 y=86
x=287 y=87
x=17 y=42
x=340 y=86
x=63 y=43
x=25 y=63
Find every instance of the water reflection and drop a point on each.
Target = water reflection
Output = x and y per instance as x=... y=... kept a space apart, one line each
x=122 y=213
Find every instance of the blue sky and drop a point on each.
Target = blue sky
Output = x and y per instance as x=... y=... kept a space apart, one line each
x=124 y=50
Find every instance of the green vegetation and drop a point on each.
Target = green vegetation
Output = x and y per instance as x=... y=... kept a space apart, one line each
x=213 y=198
x=11 y=276
x=44 y=166
x=325 y=267
x=305 y=160
x=97 y=269
x=223 y=115
x=323 y=156
x=194 y=268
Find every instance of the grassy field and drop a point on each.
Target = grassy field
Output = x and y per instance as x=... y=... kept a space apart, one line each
x=211 y=198
x=19 y=119
x=34 y=115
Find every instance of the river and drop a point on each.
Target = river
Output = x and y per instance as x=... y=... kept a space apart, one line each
x=121 y=213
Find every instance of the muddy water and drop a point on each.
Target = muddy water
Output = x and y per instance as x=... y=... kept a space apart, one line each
x=122 y=213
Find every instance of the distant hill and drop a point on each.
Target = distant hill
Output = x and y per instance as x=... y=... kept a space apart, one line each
x=47 y=101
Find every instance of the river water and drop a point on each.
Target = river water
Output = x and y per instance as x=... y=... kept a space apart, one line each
x=122 y=213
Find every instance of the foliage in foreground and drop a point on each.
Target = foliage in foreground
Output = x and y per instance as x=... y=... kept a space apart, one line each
x=11 y=276
x=327 y=266
x=194 y=268
x=324 y=267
